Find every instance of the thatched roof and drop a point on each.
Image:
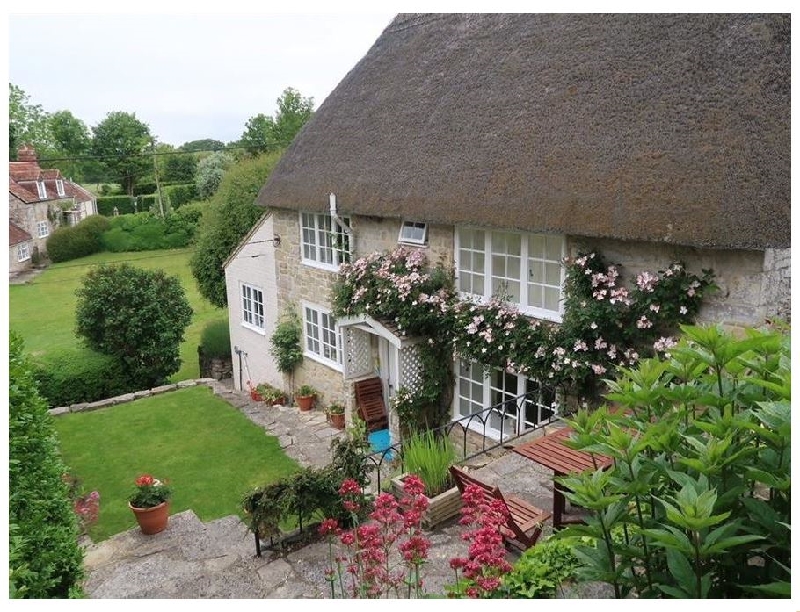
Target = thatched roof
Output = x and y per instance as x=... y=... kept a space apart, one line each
x=659 y=127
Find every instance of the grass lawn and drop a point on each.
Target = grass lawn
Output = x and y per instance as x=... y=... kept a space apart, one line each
x=43 y=311
x=209 y=452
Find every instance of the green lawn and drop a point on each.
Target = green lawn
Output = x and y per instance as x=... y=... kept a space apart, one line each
x=209 y=452
x=43 y=311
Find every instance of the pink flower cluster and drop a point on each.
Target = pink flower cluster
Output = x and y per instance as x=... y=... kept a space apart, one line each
x=87 y=509
x=384 y=556
x=485 y=562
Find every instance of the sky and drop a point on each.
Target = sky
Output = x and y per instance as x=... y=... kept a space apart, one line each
x=187 y=76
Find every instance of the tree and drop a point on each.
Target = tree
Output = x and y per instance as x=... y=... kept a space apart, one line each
x=137 y=316
x=122 y=141
x=71 y=140
x=231 y=215
x=264 y=134
x=27 y=123
x=45 y=561
x=201 y=146
x=180 y=168
x=209 y=173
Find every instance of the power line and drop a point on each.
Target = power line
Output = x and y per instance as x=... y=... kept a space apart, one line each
x=127 y=155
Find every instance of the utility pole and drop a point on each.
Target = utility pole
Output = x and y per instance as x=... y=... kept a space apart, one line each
x=155 y=174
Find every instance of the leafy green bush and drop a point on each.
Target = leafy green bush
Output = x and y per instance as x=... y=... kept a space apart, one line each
x=285 y=341
x=430 y=456
x=215 y=339
x=45 y=561
x=700 y=491
x=146 y=231
x=79 y=375
x=178 y=195
x=137 y=316
x=67 y=243
x=144 y=188
x=540 y=570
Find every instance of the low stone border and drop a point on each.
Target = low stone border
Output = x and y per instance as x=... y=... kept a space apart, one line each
x=129 y=397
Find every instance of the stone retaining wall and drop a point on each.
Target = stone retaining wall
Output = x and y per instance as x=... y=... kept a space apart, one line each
x=129 y=397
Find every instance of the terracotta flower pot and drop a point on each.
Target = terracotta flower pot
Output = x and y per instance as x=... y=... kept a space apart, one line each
x=152 y=520
x=305 y=402
x=337 y=420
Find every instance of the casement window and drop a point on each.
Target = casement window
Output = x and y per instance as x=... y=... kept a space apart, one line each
x=253 y=308
x=524 y=269
x=42 y=189
x=321 y=336
x=60 y=188
x=413 y=232
x=23 y=252
x=323 y=242
x=42 y=229
x=509 y=404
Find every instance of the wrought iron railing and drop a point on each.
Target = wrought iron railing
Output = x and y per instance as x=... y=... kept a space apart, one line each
x=390 y=459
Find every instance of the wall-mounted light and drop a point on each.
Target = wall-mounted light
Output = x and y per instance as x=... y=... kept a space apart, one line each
x=276 y=241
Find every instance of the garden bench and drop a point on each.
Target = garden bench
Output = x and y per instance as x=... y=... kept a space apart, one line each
x=524 y=522
x=370 y=404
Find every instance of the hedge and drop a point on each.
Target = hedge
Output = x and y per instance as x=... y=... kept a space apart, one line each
x=178 y=195
x=73 y=376
x=215 y=340
x=46 y=561
x=67 y=243
x=106 y=204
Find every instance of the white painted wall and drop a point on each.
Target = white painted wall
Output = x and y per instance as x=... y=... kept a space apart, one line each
x=254 y=265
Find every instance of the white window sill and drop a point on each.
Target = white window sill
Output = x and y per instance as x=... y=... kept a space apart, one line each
x=258 y=330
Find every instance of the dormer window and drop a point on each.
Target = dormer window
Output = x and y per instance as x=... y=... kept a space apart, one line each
x=413 y=232
x=60 y=188
x=42 y=189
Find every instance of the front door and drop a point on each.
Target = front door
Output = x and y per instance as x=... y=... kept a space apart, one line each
x=387 y=368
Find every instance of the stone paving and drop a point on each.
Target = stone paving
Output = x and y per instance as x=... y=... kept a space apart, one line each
x=216 y=560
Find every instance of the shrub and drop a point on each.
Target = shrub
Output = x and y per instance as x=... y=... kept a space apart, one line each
x=144 y=188
x=146 y=231
x=137 y=316
x=286 y=347
x=540 y=570
x=67 y=243
x=215 y=339
x=46 y=561
x=81 y=375
x=178 y=195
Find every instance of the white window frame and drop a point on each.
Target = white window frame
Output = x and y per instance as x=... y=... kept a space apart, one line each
x=525 y=270
x=42 y=229
x=42 y=189
x=23 y=252
x=409 y=228
x=252 y=314
x=318 y=233
x=321 y=342
x=486 y=398
x=60 y=188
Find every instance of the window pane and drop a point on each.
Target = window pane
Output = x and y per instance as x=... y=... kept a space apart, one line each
x=536 y=246
x=552 y=274
x=478 y=262
x=553 y=247
x=535 y=296
x=551 y=297
x=498 y=265
x=512 y=267
x=512 y=290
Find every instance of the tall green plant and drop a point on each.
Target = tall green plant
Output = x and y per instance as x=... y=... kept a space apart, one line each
x=698 y=502
x=430 y=456
x=286 y=341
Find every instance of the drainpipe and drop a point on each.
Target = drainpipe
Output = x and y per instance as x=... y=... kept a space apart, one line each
x=239 y=352
x=335 y=217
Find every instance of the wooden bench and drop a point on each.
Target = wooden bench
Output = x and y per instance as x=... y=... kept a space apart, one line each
x=370 y=404
x=524 y=523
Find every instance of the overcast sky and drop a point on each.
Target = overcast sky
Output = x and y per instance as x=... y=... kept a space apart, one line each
x=188 y=76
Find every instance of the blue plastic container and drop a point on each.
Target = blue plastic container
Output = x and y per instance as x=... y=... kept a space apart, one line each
x=381 y=440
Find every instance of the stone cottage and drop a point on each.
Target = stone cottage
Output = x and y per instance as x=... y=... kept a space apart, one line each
x=500 y=143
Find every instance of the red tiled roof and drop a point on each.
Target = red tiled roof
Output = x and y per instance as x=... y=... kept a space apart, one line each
x=21 y=192
x=16 y=234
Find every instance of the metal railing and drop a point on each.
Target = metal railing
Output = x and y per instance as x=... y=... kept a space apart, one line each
x=514 y=409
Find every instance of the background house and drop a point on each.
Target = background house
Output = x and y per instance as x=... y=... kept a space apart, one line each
x=499 y=143
x=39 y=200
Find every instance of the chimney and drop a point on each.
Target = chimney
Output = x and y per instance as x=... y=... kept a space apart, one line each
x=26 y=153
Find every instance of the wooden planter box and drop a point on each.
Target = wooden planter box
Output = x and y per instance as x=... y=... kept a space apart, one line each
x=441 y=508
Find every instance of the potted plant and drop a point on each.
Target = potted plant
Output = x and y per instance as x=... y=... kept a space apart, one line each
x=254 y=393
x=271 y=395
x=305 y=397
x=336 y=415
x=430 y=456
x=150 y=504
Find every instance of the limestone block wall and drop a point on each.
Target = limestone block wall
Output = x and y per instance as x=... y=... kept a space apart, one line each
x=747 y=291
x=776 y=286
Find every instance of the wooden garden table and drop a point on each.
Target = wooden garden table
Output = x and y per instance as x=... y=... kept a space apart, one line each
x=550 y=451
